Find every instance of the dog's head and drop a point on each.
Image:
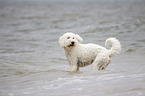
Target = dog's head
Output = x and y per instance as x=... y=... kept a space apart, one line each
x=69 y=40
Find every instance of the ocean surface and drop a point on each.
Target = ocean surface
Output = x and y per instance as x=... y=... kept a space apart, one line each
x=33 y=64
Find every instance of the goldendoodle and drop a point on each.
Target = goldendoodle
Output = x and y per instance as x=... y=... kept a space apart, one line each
x=81 y=55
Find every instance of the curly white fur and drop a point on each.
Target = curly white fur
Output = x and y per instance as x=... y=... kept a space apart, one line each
x=81 y=55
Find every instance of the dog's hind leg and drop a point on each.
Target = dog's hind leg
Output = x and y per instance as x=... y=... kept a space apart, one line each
x=103 y=65
x=101 y=62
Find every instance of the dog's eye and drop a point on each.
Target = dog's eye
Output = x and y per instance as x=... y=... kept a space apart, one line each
x=68 y=37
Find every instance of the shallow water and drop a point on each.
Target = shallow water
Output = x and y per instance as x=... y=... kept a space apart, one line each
x=33 y=64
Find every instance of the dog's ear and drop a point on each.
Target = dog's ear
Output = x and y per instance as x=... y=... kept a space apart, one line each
x=61 y=41
x=79 y=38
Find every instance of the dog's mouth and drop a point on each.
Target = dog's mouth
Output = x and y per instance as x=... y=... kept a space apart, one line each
x=71 y=45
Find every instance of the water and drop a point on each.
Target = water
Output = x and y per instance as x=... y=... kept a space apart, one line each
x=33 y=64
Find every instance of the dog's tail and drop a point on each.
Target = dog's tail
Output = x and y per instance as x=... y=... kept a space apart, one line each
x=116 y=46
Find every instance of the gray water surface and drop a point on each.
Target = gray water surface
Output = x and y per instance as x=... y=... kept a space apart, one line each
x=33 y=64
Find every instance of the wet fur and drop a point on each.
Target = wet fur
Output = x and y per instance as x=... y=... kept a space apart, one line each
x=81 y=55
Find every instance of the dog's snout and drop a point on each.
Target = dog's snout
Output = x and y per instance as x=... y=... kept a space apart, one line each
x=72 y=42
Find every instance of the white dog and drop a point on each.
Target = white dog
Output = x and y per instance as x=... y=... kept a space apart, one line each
x=80 y=55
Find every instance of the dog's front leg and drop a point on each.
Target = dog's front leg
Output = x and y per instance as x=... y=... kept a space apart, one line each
x=73 y=64
x=74 y=68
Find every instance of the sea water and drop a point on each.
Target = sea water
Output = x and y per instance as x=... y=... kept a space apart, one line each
x=33 y=64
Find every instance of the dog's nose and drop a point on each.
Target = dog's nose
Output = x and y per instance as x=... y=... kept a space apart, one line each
x=72 y=42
